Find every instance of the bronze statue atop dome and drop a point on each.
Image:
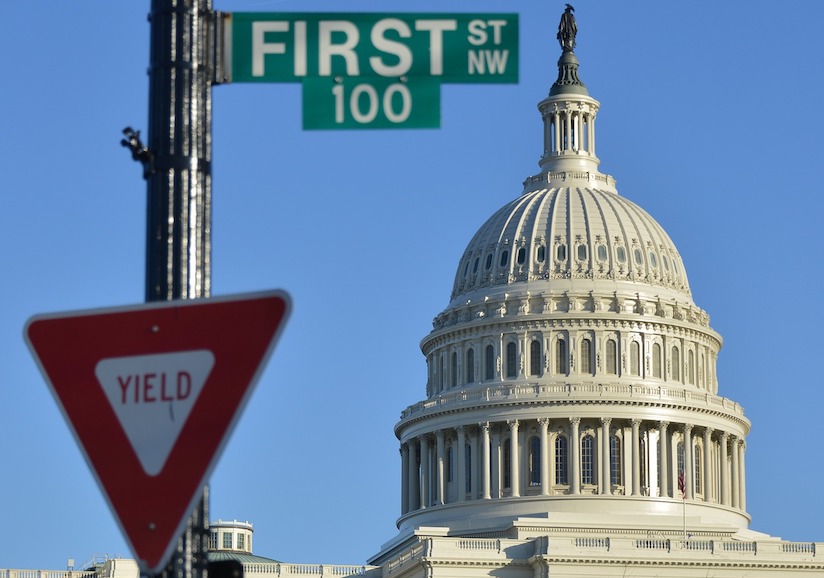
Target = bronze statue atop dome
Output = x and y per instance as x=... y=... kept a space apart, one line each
x=567 y=29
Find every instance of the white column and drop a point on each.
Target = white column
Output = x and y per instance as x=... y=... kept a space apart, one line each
x=725 y=470
x=485 y=462
x=404 y=478
x=735 y=477
x=460 y=461
x=606 y=478
x=592 y=134
x=708 y=482
x=474 y=467
x=440 y=458
x=742 y=478
x=425 y=481
x=663 y=440
x=636 y=457
x=689 y=460
x=574 y=455
x=546 y=484
x=556 y=119
x=514 y=462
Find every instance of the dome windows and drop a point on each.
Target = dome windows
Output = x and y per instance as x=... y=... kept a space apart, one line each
x=561 y=252
x=621 y=254
x=541 y=254
x=504 y=258
x=639 y=257
x=488 y=264
x=475 y=266
x=521 y=257
x=582 y=252
x=601 y=252
x=653 y=260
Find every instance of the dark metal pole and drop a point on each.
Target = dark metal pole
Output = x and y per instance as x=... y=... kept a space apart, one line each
x=177 y=167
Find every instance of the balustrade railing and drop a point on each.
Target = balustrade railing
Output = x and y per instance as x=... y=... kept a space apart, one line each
x=617 y=391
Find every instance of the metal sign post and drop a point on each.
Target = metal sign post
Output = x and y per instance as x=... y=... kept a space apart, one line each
x=177 y=168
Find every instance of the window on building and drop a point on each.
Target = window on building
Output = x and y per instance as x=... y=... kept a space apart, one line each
x=676 y=364
x=535 y=357
x=488 y=264
x=612 y=357
x=521 y=255
x=241 y=542
x=453 y=370
x=586 y=356
x=504 y=258
x=601 y=251
x=450 y=464
x=511 y=359
x=634 y=358
x=534 y=461
x=213 y=541
x=696 y=468
x=582 y=252
x=441 y=373
x=561 y=357
x=656 y=360
x=621 y=254
x=587 y=460
x=470 y=366
x=615 y=460
x=489 y=362
x=682 y=472
x=541 y=254
x=561 y=460
x=227 y=540
x=691 y=367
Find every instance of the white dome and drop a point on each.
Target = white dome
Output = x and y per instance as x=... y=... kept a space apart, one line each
x=560 y=233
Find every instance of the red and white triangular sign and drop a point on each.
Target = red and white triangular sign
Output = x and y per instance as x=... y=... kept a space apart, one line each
x=151 y=393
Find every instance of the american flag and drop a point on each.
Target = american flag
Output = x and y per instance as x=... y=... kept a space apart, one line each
x=681 y=485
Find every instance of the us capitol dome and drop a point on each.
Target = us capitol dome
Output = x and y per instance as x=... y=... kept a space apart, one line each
x=572 y=377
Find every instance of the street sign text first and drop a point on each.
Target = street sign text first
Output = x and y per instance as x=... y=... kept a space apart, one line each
x=271 y=47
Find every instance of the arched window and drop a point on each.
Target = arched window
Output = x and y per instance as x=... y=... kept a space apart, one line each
x=586 y=356
x=468 y=467
x=634 y=358
x=612 y=357
x=441 y=374
x=535 y=357
x=682 y=474
x=656 y=360
x=560 y=357
x=453 y=370
x=450 y=464
x=470 y=366
x=561 y=460
x=676 y=364
x=511 y=359
x=534 y=461
x=507 y=448
x=614 y=460
x=489 y=362
x=696 y=468
x=587 y=460
x=691 y=367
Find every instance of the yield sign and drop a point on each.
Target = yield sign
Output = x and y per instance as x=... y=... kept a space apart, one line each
x=151 y=393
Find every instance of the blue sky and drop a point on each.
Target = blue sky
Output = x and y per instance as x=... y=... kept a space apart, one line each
x=710 y=119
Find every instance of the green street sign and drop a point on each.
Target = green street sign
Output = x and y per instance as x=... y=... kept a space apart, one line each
x=370 y=70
